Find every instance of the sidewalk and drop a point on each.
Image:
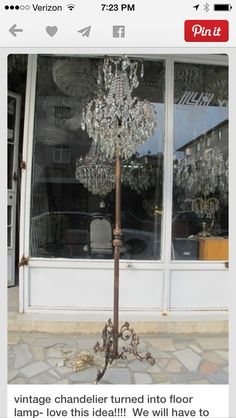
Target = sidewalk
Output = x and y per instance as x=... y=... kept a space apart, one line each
x=36 y=358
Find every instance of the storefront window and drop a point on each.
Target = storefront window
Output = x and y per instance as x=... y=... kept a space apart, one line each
x=200 y=183
x=62 y=207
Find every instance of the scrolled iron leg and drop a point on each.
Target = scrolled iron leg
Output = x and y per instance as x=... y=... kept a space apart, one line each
x=126 y=334
x=107 y=348
x=100 y=373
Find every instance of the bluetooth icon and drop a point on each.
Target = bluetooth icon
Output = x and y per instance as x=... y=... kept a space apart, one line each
x=206 y=7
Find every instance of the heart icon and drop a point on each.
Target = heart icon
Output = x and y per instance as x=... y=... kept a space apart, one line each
x=51 y=30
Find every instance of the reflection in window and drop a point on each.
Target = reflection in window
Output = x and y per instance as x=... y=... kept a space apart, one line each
x=200 y=187
x=65 y=210
x=61 y=154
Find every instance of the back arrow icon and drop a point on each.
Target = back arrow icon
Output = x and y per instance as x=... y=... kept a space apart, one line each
x=13 y=30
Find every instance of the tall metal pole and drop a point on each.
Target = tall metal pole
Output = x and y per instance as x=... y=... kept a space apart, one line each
x=117 y=243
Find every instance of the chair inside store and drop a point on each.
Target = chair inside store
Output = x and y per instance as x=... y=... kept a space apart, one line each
x=100 y=238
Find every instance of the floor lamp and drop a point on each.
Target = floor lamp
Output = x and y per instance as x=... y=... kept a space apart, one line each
x=120 y=123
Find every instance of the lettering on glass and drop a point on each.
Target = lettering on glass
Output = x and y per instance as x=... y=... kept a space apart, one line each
x=193 y=98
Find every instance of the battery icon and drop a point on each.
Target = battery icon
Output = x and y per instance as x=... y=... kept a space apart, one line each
x=222 y=7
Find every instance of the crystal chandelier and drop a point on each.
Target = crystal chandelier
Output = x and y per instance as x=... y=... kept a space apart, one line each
x=115 y=118
x=74 y=78
x=203 y=176
x=59 y=109
x=138 y=175
x=52 y=135
x=97 y=173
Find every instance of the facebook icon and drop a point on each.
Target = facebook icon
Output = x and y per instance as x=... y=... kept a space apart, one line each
x=118 y=31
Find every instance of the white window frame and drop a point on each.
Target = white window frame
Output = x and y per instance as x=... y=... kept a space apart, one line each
x=166 y=265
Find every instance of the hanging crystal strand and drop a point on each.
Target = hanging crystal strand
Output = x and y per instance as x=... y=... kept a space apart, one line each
x=142 y=70
x=99 y=79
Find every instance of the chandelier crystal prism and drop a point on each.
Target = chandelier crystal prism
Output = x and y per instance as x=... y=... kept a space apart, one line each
x=97 y=174
x=115 y=118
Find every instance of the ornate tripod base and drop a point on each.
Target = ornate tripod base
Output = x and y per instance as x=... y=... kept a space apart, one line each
x=109 y=337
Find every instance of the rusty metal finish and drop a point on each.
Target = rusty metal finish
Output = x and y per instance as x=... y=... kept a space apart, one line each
x=109 y=338
x=23 y=165
x=129 y=335
x=110 y=333
x=117 y=244
x=24 y=261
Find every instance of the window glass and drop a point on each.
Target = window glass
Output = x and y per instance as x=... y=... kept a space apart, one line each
x=200 y=183
x=62 y=205
x=10 y=139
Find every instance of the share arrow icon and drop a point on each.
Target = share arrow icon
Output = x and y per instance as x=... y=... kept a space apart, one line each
x=85 y=31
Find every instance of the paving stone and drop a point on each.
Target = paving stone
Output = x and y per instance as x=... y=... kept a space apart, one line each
x=179 y=345
x=163 y=344
x=34 y=369
x=18 y=381
x=162 y=362
x=209 y=366
x=26 y=338
x=213 y=357
x=174 y=366
x=22 y=355
x=104 y=382
x=195 y=347
x=100 y=360
x=224 y=354
x=11 y=362
x=138 y=366
x=188 y=358
x=199 y=382
x=85 y=376
x=54 y=362
x=49 y=342
x=38 y=353
x=218 y=378
x=119 y=376
x=87 y=344
x=206 y=367
x=44 y=378
x=154 y=369
x=160 y=377
x=184 y=377
x=12 y=339
x=53 y=373
x=63 y=370
x=12 y=374
x=142 y=378
x=62 y=382
x=161 y=354
x=213 y=343
x=166 y=383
